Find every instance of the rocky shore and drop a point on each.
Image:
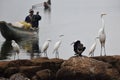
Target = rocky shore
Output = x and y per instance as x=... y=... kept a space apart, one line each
x=75 y=68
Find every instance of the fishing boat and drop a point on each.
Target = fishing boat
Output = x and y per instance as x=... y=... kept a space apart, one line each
x=10 y=32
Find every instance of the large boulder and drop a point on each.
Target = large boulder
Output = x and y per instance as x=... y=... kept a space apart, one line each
x=113 y=60
x=84 y=68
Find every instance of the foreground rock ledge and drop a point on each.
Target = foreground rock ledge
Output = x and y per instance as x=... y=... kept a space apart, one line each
x=75 y=68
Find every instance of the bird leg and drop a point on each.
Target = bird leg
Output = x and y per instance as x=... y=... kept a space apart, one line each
x=40 y=54
x=14 y=55
x=101 y=51
x=57 y=54
x=104 y=51
x=18 y=55
x=93 y=54
x=45 y=54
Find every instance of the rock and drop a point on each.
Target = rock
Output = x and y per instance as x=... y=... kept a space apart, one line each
x=29 y=67
x=19 y=76
x=2 y=78
x=29 y=71
x=44 y=75
x=17 y=63
x=52 y=64
x=84 y=68
x=10 y=71
x=3 y=66
x=113 y=60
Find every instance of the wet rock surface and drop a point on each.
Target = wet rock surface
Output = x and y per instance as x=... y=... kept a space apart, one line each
x=75 y=68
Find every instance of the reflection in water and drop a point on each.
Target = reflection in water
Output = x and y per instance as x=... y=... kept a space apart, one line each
x=5 y=50
x=29 y=46
x=47 y=13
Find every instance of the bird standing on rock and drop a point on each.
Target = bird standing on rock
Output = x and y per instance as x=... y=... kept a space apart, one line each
x=56 y=46
x=93 y=47
x=45 y=47
x=16 y=48
x=78 y=48
x=102 y=35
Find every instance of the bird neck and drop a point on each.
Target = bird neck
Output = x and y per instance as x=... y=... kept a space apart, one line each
x=103 y=22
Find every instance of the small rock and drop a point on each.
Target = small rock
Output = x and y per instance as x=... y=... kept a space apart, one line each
x=44 y=74
x=19 y=76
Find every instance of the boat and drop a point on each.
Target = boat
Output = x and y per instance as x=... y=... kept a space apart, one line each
x=47 y=5
x=10 y=32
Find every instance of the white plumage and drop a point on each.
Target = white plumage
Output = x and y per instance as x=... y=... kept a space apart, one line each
x=45 y=47
x=102 y=35
x=16 y=48
x=92 y=48
x=56 y=47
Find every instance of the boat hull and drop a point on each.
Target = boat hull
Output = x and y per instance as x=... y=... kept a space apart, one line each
x=10 y=32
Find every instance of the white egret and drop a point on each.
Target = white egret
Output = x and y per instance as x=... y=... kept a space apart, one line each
x=56 y=47
x=45 y=47
x=102 y=35
x=92 y=48
x=16 y=48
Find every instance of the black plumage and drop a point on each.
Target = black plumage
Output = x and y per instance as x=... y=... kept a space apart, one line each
x=78 y=48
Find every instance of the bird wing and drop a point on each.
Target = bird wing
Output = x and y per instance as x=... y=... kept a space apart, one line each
x=45 y=46
x=92 y=48
x=56 y=46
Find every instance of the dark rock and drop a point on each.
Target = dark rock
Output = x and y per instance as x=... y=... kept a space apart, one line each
x=3 y=66
x=75 y=68
x=2 y=78
x=10 y=71
x=52 y=64
x=19 y=76
x=84 y=68
x=44 y=75
x=17 y=63
x=35 y=78
x=113 y=60
x=29 y=71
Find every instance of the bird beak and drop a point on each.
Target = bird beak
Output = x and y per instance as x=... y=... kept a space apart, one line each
x=61 y=35
x=72 y=43
x=97 y=37
x=50 y=40
x=103 y=14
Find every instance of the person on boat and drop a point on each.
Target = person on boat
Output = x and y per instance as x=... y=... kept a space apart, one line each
x=33 y=19
x=37 y=18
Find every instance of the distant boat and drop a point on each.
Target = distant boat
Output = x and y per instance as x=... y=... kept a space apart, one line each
x=47 y=5
x=10 y=32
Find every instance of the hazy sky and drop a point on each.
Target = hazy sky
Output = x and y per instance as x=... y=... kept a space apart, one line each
x=76 y=19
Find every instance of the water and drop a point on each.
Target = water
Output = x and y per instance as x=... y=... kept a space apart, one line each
x=75 y=19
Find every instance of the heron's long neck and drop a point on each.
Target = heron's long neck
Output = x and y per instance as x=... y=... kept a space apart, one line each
x=103 y=22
